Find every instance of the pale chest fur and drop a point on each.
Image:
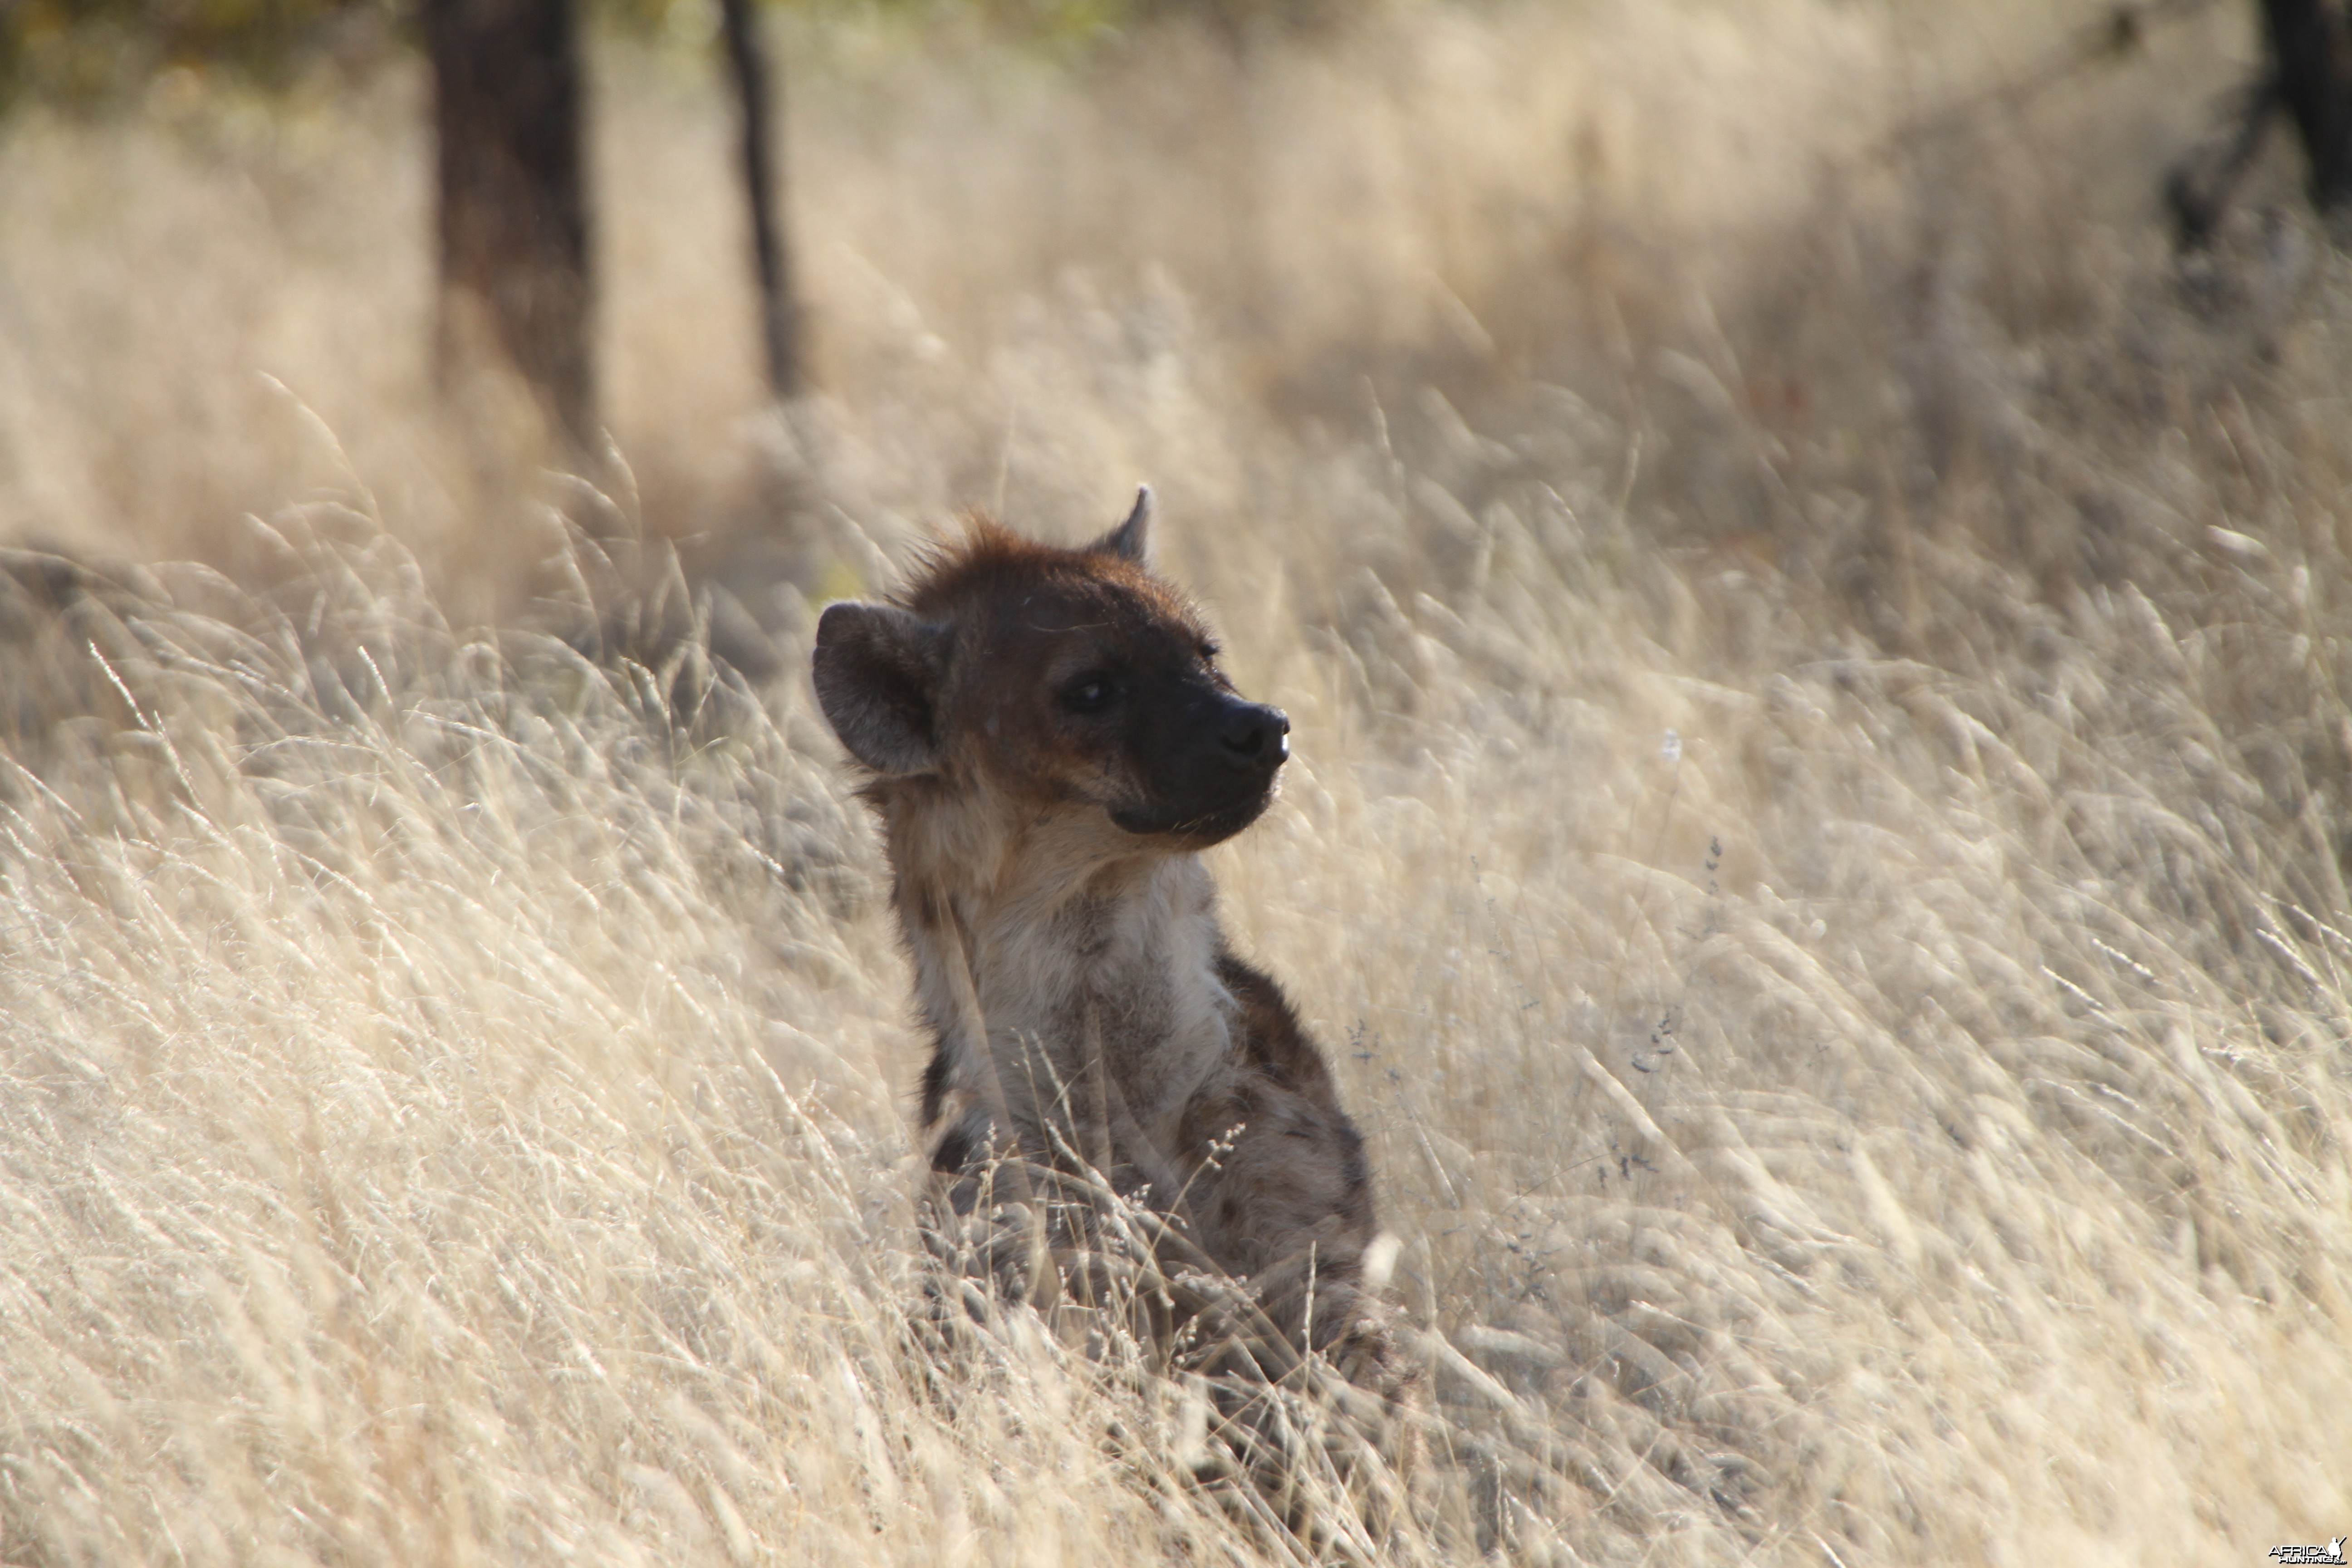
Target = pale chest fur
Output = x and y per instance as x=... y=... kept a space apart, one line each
x=1096 y=1012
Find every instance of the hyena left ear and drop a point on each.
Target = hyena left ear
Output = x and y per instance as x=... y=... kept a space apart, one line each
x=1130 y=541
x=877 y=670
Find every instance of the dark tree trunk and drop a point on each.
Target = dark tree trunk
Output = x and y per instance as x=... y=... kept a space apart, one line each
x=770 y=257
x=2307 y=72
x=2311 y=61
x=513 y=219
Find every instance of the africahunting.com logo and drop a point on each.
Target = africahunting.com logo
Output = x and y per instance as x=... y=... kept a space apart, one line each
x=2331 y=1552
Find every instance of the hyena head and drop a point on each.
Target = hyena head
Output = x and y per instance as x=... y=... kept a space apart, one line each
x=1071 y=686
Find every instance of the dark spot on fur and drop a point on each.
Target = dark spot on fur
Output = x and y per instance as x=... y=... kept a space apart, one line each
x=955 y=1151
x=935 y=1083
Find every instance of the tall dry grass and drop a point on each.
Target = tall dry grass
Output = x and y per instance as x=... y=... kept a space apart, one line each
x=1816 y=840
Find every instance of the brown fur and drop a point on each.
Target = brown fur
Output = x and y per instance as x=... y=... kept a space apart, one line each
x=1052 y=744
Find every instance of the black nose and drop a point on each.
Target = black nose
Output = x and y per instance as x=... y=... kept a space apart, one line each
x=1254 y=734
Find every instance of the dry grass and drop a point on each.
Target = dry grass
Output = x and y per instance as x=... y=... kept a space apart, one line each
x=1817 y=837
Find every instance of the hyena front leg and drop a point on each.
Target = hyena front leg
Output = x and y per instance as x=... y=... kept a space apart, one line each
x=1283 y=1198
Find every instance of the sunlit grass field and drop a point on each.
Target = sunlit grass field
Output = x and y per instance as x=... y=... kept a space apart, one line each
x=1823 y=780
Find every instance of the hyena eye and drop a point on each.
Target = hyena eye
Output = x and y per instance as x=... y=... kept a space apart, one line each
x=1090 y=695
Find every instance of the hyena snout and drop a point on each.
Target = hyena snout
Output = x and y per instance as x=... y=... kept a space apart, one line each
x=1207 y=765
x=1253 y=735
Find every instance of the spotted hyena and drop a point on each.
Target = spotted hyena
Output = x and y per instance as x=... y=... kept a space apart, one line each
x=1052 y=743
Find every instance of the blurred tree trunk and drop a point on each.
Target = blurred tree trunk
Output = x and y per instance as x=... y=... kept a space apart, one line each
x=513 y=217
x=2307 y=72
x=2311 y=57
x=763 y=175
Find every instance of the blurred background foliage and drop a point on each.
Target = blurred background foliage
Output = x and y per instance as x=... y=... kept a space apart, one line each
x=86 y=55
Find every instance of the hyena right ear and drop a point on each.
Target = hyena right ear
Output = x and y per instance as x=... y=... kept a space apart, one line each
x=877 y=671
x=1131 y=539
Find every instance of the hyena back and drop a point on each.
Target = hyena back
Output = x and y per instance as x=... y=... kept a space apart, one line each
x=1051 y=744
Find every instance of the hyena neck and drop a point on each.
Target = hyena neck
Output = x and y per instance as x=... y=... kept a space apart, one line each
x=1048 y=973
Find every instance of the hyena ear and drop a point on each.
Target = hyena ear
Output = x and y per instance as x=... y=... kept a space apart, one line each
x=877 y=671
x=1130 y=541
